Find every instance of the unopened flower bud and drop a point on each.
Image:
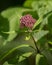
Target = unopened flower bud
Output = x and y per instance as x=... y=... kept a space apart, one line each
x=27 y=21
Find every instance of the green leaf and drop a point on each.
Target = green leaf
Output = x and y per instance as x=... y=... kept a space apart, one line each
x=48 y=56
x=42 y=7
x=50 y=23
x=39 y=34
x=25 y=62
x=24 y=56
x=6 y=63
x=51 y=50
x=44 y=49
x=38 y=22
x=50 y=42
x=13 y=16
x=1 y=40
x=28 y=3
x=9 y=52
x=16 y=48
x=4 y=26
x=41 y=60
x=19 y=58
x=45 y=20
x=31 y=12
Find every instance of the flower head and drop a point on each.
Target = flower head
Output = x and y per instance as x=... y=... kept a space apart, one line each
x=27 y=21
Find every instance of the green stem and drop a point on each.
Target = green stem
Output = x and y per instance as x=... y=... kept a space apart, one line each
x=38 y=51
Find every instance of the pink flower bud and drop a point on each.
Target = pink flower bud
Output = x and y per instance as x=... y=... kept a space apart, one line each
x=27 y=21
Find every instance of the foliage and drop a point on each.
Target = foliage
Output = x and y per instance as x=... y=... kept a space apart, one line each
x=23 y=47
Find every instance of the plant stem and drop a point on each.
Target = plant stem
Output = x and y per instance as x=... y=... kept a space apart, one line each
x=38 y=51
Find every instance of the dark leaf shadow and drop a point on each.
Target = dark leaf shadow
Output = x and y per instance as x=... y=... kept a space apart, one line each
x=4 y=26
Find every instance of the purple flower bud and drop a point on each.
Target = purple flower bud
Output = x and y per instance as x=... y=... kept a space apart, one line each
x=27 y=21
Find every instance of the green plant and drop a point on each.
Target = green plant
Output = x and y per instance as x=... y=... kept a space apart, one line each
x=26 y=46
